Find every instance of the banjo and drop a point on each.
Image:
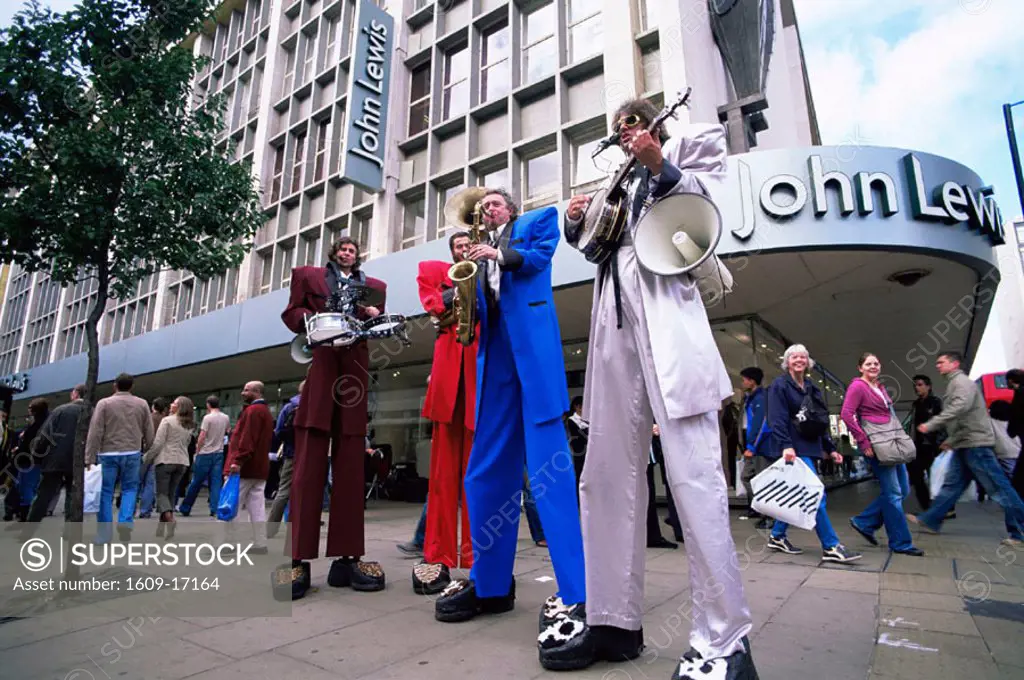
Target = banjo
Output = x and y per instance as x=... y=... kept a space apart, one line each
x=605 y=218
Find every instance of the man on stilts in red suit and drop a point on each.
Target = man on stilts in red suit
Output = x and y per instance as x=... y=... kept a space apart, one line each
x=450 y=405
x=332 y=417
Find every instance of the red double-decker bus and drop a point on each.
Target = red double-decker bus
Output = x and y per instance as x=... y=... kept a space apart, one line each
x=994 y=387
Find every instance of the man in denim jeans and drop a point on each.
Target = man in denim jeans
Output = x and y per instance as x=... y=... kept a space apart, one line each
x=971 y=437
x=120 y=430
x=209 y=460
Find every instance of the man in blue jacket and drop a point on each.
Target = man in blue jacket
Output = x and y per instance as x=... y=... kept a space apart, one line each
x=284 y=437
x=521 y=397
x=757 y=442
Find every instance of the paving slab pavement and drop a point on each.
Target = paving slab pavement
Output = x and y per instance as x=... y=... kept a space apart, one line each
x=958 y=611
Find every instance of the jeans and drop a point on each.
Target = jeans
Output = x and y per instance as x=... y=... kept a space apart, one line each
x=822 y=524
x=981 y=464
x=420 y=537
x=532 y=516
x=206 y=468
x=887 y=509
x=125 y=469
x=148 y=494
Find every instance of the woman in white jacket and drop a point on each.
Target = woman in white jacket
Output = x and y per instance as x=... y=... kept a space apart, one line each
x=169 y=453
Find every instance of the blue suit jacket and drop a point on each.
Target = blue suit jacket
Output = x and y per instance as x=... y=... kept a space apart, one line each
x=527 y=306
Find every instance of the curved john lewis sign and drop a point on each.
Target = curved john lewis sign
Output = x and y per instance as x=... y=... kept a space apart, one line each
x=367 y=101
x=855 y=197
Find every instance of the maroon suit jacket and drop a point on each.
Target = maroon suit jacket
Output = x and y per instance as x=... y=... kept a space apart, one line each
x=450 y=358
x=249 y=446
x=338 y=375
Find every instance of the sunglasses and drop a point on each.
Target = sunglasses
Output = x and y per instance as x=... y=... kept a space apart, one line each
x=630 y=121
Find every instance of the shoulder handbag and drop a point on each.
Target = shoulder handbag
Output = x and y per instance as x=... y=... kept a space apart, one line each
x=889 y=441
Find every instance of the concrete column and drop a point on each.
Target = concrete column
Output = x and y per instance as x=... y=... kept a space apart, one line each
x=623 y=70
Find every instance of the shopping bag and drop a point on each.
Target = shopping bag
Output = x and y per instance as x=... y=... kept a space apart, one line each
x=937 y=477
x=93 y=488
x=227 y=506
x=790 y=493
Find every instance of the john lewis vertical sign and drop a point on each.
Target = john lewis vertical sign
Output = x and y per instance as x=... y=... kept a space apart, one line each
x=362 y=163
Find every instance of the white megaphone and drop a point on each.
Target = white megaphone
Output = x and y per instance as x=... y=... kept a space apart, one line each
x=678 y=235
x=299 y=349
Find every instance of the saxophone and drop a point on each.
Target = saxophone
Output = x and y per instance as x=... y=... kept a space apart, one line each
x=463 y=210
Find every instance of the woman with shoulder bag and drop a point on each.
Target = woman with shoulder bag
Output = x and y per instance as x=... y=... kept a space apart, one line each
x=868 y=413
x=800 y=429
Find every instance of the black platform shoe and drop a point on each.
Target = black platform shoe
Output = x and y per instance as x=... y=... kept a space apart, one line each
x=554 y=608
x=570 y=644
x=738 y=666
x=366 y=577
x=459 y=602
x=290 y=582
x=430 y=579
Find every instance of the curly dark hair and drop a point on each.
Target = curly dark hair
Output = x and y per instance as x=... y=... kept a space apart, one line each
x=513 y=209
x=346 y=240
x=647 y=112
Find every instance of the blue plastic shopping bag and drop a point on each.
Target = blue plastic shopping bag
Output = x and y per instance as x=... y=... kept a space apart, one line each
x=227 y=507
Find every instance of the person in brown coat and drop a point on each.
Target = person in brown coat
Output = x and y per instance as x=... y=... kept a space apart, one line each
x=249 y=455
x=333 y=418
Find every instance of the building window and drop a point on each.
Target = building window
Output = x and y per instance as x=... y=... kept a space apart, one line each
x=309 y=249
x=275 y=180
x=254 y=100
x=587 y=174
x=332 y=42
x=539 y=55
x=586 y=29
x=299 y=156
x=495 y=179
x=321 y=150
x=414 y=224
x=288 y=82
x=650 y=61
x=419 y=100
x=540 y=177
x=495 y=74
x=444 y=195
x=283 y=266
x=456 y=83
x=648 y=13
x=266 y=272
x=308 y=43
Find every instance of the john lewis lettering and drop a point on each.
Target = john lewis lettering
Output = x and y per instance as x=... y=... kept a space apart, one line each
x=365 y=138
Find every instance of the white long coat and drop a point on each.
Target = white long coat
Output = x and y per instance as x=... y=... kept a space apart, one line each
x=691 y=374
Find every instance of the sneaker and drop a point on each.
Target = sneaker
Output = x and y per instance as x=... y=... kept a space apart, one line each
x=409 y=549
x=839 y=553
x=783 y=545
x=1012 y=542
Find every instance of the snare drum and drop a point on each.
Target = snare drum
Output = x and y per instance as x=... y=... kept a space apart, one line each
x=332 y=329
x=384 y=326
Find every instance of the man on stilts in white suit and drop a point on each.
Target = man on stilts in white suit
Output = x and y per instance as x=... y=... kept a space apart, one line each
x=653 y=358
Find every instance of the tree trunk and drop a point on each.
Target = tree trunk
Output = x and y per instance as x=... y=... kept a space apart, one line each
x=74 y=529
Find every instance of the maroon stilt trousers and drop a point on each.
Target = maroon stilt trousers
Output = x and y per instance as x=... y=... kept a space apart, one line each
x=345 y=535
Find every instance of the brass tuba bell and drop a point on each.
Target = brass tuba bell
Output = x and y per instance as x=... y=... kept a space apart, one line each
x=463 y=210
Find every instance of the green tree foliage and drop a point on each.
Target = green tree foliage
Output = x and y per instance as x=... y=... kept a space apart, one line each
x=107 y=167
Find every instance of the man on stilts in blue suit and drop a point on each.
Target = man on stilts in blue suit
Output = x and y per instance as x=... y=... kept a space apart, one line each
x=521 y=398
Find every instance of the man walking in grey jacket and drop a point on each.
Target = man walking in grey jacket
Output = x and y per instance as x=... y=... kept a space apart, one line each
x=971 y=437
x=120 y=430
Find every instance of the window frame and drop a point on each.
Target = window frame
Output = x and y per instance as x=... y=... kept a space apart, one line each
x=447 y=85
x=425 y=99
x=486 y=66
x=527 y=46
x=570 y=25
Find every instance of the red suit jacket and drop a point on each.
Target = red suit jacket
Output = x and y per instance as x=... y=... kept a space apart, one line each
x=249 y=446
x=448 y=353
x=338 y=375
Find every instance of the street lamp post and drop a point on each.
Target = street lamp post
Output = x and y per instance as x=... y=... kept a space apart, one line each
x=1018 y=170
